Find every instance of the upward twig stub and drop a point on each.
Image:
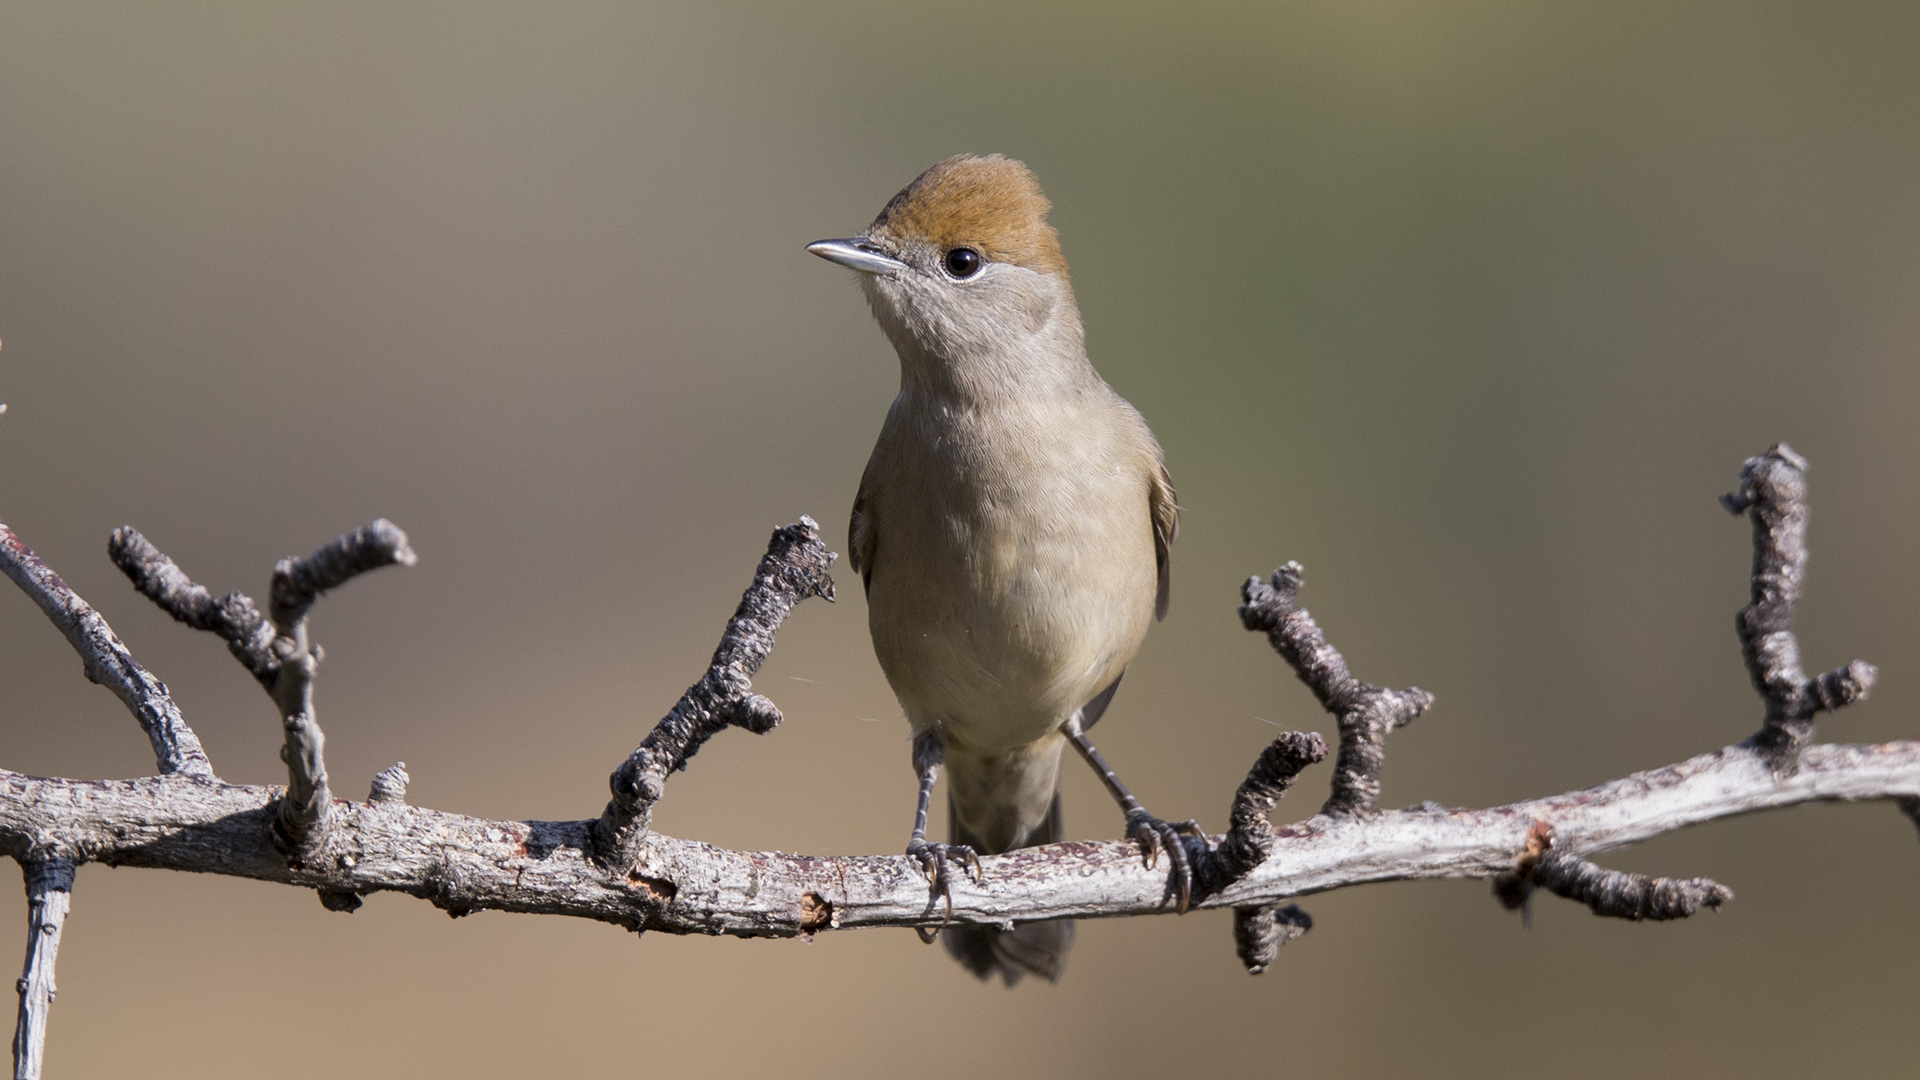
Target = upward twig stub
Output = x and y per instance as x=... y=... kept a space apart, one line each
x=1249 y=838
x=793 y=569
x=1773 y=495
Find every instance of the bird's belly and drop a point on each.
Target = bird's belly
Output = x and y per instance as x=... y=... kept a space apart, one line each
x=996 y=634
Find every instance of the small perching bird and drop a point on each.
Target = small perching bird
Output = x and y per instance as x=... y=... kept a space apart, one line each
x=1012 y=529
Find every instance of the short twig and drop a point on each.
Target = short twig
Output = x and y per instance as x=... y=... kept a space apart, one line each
x=1258 y=933
x=1626 y=896
x=233 y=617
x=1365 y=712
x=277 y=651
x=390 y=785
x=1249 y=836
x=106 y=660
x=1605 y=892
x=794 y=568
x=1773 y=495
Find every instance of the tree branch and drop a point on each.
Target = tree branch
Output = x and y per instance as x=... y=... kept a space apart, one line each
x=233 y=617
x=1605 y=892
x=49 y=888
x=794 y=568
x=1365 y=712
x=613 y=869
x=1249 y=838
x=465 y=864
x=279 y=655
x=1627 y=896
x=1259 y=930
x=1773 y=494
x=1258 y=933
x=107 y=661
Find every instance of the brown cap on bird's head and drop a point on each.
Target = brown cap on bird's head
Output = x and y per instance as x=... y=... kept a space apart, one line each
x=991 y=204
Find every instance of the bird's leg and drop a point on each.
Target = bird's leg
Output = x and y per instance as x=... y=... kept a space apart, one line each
x=1150 y=832
x=929 y=753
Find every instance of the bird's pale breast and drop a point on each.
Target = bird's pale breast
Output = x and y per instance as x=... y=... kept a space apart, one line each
x=1013 y=569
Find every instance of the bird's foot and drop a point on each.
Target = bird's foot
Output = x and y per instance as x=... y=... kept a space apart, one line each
x=934 y=861
x=1154 y=835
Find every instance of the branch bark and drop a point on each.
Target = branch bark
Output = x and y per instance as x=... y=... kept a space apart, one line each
x=465 y=864
x=1364 y=712
x=278 y=653
x=1773 y=494
x=793 y=569
x=106 y=661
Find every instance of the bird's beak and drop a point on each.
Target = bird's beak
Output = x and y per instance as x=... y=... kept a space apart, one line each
x=858 y=253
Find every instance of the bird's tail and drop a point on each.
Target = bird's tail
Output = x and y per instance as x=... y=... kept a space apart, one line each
x=1036 y=948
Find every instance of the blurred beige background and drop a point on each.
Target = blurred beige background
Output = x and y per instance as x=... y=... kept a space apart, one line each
x=1473 y=308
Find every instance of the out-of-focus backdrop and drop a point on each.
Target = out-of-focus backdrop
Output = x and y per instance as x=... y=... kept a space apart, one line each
x=1473 y=308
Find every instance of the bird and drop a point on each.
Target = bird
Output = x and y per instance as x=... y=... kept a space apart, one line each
x=1012 y=530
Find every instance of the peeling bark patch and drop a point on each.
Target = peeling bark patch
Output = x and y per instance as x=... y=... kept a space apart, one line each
x=1515 y=887
x=658 y=889
x=816 y=913
x=1539 y=842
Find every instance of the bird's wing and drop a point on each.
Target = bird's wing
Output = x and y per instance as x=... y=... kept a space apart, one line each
x=1166 y=526
x=860 y=537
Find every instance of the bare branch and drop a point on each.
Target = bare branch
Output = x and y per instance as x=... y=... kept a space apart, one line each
x=278 y=654
x=49 y=889
x=465 y=864
x=297 y=583
x=1627 y=896
x=794 y=568
x=1249 y=836
x=107 y=661
x=233 y=617
x=1259 y=931
x=1605 y=892
x=1773 y=494
x=614 y=870
x=1366 y=712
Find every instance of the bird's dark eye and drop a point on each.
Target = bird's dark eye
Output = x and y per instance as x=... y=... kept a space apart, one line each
x=963 y=262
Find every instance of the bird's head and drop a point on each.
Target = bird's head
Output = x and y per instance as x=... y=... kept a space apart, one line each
x=963 y=270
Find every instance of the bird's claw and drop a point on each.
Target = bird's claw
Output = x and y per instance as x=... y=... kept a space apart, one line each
x=933 y=860
x=1154 y=836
